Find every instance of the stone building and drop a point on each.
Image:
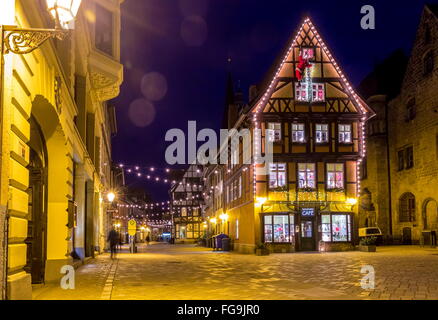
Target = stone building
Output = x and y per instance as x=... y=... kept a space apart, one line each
x=400 y=191
x=56 y=141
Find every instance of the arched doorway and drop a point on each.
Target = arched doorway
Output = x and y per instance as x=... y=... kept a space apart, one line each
x=37 y=223
x=430 y=214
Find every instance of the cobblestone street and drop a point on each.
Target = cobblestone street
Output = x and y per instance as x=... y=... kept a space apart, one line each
x=169 y=272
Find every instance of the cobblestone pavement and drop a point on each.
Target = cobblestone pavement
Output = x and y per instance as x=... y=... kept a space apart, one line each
x=161 y=272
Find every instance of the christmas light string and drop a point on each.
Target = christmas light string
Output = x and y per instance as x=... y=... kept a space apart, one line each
x=344 y=80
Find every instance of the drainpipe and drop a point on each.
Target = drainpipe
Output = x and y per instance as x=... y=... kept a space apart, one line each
x=388 y=160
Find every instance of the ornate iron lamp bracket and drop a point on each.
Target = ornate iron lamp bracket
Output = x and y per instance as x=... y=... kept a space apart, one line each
x=23 y=41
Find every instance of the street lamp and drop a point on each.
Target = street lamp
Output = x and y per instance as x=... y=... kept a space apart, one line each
x=63 y=11
x=23 y=41
x=260 y=201
x=111 y=196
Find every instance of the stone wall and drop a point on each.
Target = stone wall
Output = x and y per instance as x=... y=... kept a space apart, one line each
x=374 y=208
x=420 y=132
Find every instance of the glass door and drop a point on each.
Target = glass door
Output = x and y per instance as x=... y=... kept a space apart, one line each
x=307 y=230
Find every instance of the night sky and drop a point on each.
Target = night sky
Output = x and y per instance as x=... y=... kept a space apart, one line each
x=175 y=54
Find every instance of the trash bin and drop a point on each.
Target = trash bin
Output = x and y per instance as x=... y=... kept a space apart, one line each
x=226 y=244
x=218 y=241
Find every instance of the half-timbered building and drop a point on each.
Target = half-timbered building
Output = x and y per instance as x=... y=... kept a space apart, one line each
x=306 y=199
x=186 y=200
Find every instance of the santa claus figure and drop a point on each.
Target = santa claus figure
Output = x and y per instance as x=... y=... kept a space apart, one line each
x=303 y=63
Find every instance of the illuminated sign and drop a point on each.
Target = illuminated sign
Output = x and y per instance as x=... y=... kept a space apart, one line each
x=307 y=212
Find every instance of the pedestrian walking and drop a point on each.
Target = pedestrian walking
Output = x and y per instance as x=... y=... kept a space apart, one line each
x=148 y=239
x=113 y=239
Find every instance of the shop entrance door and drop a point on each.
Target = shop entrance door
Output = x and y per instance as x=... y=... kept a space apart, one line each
x=307 y=230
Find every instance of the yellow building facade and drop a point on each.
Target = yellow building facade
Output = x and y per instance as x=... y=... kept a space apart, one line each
x=55 y=142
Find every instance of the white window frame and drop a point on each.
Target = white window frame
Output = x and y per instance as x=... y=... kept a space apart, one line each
x=274 y=131
x=332 y=183
x=322 y=133
x=297 y=130
x=301 y=91
x=278 y=174
x=309 y=168
x=316 y=89
x=345 y=136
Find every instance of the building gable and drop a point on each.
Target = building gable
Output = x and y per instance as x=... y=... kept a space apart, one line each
x=425 y=45
x=339 y=96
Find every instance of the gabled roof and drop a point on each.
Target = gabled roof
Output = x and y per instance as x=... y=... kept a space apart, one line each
x=433 y=7
x=270 y=85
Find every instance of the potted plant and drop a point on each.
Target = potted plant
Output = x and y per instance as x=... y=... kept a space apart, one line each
x=262 y=250
x=368 y=244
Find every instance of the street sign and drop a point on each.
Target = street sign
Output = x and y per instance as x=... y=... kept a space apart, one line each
x=132 y=227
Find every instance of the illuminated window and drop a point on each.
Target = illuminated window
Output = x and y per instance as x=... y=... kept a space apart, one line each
x=335 y=176
x=345 y=133
x=279 y=228
x=321 y=133
x=277 y=175
x=298 y=134
x=336 y=227
x=308 y=53
x=318 y=92
x=237 y=229
x=306 y=175
x=301 y=91
x=274 y=132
